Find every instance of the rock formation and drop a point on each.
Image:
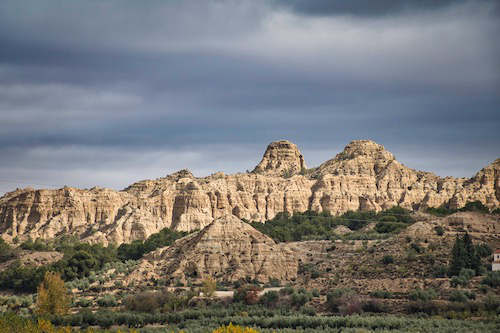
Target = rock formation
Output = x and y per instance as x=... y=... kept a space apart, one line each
x=364 y=176
x=282 y=158
x=227 y=249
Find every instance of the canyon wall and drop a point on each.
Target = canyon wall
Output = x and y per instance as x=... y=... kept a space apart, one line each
x=364 y=176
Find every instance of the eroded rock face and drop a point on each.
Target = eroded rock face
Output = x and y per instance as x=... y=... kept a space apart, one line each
x=227 y=249
x=281 y=158
x=364 y=176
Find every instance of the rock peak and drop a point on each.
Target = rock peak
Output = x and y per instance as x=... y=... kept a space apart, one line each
x=366 y=148
x=281 y=158
x=184 y=173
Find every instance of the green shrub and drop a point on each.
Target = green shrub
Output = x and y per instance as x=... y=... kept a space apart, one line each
x=152 y=301
x=427 y=307
x=6 y=251
x=313 y=225
x=463 y=278
x=37 y=245
x=492 y=279
x=422 y=295
x=483 y=250
x=373 y=306
x=390 y=227
x=387 y=259
x=337 y=298
x=381 y=294
x=270 y=298
x=439 y=271
x=475 y=206
x=22 y=278
x=461 y=296
x=138 y=248
x=83 y=302
x=274 y=283
x=288 y=290
x=439 y=230
x=308 y=311
x=416 y=247
x=299 y=299
x=440 y=211
x=107 y=301
x=492 y=303
x=247 y=294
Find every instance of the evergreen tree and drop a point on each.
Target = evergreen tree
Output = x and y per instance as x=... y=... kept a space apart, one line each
x=473 y=260
x=458 y=258
x=464 y=255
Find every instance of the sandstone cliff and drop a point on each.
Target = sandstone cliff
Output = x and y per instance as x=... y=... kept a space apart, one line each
x=363 y=176
x=227 y=249
x=282 y=158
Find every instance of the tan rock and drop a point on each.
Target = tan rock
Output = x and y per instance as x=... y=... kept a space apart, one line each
x=281 y=158
x=227 y=249
x=342 y=230
x=362 y=177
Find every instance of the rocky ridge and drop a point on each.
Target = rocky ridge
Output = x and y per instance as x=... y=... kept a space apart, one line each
x=364 y=176
x=227 y=249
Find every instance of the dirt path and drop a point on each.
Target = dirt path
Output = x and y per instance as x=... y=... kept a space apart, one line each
x=230 y=293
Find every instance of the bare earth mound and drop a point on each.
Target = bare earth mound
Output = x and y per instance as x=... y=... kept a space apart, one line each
x=227 y=249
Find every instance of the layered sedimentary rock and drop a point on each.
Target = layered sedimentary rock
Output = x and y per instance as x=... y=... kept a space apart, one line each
x=282 y=158
x=227 y=249
x=364 y=176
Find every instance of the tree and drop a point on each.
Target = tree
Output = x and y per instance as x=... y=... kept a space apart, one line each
x=6 y=251
x=473 y=260
x=209 y=287
x=53 y=297
x=248 y=294
x=458 y=260
x=475 y=206
x=464 y=255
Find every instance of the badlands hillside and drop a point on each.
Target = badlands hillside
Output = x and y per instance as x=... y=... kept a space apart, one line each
x=281 y=247
x=364 y=176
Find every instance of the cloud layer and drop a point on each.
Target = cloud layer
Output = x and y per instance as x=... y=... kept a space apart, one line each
x=109 y=92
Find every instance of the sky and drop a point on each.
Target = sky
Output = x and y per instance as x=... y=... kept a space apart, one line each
x=107 y=92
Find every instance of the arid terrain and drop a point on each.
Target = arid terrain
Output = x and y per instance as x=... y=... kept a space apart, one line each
x=361 y=233
x=364 y=176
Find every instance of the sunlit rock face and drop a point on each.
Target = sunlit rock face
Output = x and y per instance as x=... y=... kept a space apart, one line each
x=227 y=249
x=281 y=158
x=364 y=176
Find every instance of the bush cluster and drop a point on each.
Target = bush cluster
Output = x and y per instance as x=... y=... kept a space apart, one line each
x=313 y=225
x=138 y=248
x=422 y=295
x=492 y=279
x=461 y=296
x=6 y=251
x=381 y=294
x=159 y=301
x=471 y=206
x=463 y=278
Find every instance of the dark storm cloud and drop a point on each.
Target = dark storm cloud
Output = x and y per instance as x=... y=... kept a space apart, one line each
x=108 y=92
x=366 y=8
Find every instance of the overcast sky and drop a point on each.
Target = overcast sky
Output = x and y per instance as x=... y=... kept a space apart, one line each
x=104 y=92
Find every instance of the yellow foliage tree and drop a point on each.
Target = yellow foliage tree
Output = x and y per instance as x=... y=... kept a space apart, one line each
x=209 y=287
x=234 y=329
x=53 y=297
